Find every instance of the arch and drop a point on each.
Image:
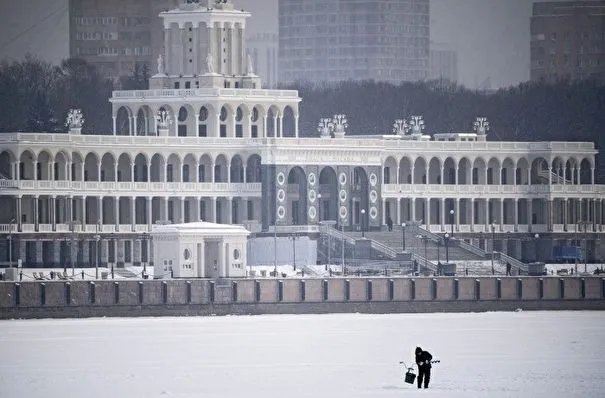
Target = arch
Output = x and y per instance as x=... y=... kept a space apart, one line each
x=190 y=169
x=420 y=170
x=296 y=206
x=91 y=167
x=327 y=194
x=123 y=117
x=257 y=118
x=479 y=172
x=507 y=175
x=43 y=168
x=144 y=120
x=7 y=159
x=558 y=169
x=226 y=120
x=272 y=122
x=253 y=168
x=108 y=167
x=61 y=160
x=206 y=114
x=124 y=168
x=288 y=122
x=586 y=171
x=236 y=169
x=141 y=171
x=465 y=171
x=186 y=121
x=435 y=171
x=241 y=121
x=221 y=169
x=157 y=169
x=389 y=175
x=205 y=170
x=77 y=166
x=449 y=171
x=493 y=171
x=522 y=171
x=173 y=168
x=539 y=171
x=405 y=170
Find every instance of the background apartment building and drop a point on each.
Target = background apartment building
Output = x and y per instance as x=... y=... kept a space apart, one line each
x=334 y=40
x=568 y=40
x=114 y=35
x=263 y=49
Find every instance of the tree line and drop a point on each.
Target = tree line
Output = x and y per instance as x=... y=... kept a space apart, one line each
x=35 y=96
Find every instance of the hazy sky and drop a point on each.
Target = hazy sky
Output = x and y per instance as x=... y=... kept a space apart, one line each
x=491 y=36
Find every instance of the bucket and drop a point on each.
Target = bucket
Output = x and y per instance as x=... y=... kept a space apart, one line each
x=410 y=376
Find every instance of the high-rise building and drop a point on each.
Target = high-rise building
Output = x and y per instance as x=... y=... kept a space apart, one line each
x=568 y=40
x=443 y=63
x=114 y=35
x=334 y=40
x=263 y=49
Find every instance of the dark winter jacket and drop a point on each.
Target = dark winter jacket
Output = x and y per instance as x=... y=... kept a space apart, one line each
x=423 y=358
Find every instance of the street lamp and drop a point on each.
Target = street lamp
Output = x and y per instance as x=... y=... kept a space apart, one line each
x=452 y=221
x=536 y=237
x=319 y=207
x=403 y=237
x=493 y=226
x=447 y=251
x=10 y=243
x=363 y=214
x=72 y=243
x=294 y=237
x=342 y=227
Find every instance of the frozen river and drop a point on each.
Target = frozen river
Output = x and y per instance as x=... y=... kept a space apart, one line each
x=518 y=354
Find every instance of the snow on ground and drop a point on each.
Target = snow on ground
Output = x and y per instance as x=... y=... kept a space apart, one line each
x=515 y=354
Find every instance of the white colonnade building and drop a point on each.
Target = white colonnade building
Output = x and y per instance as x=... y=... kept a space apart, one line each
x=207 y=142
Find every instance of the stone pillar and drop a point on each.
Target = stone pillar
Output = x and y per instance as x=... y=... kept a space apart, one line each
x=516 y=213
x=39 y=251
x=149 y=212
x=427 y=214
x=84 y=213
x=137 y=252
x=501 y=205
x=86 y=254
x=104 y=249
x=56 y=261
x=19 y=212
x=120 y=257
x=229 y=210
x=457 y=214
x=52 y=210
x=565 y=214
x=36 y=199
x=116 y=205
x=529 y=214
x=22 y=252
x=133 y=213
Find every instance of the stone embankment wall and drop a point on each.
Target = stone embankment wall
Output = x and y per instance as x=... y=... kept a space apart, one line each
x=60 y=299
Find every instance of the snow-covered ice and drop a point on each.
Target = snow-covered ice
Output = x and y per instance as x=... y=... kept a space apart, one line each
x=514 y=354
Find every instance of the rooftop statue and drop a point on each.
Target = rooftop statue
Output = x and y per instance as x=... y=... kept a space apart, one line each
x=160 y=64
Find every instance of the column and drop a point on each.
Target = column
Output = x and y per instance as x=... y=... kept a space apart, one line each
x=281 y=125
x=296 y=134
x=166 y=218
x=19 y=212
x=84 y=211
x=56 y=260
x=472 y=214
x=167 y=50
x=529 y=214
x=399 y=220
x=104 y=251
x=133 y=214
x=113 y=119
x=100 y=219
x=39 y=250
x=457 y=213
x=212 y=209
x=487 y=220
x=413 y=205
x=116 y=207
x=275 y=127
x=549 y=207
x=53 y=215
x=149 y=212
x=196 y=212
x=427 y=214
x=501 y=205
x=137 y=251
x=516 y=213
x=229 y=210
x=265 y=126
x=565 y=215
x=182 y=210
x=36 y=198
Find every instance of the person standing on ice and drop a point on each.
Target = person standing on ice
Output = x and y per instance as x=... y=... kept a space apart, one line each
x=423 y=360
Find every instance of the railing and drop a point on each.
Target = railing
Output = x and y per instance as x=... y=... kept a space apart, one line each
x=555 y=178
x=397 y=190
x=202 y=92
x=511 y=260
x=383 y=248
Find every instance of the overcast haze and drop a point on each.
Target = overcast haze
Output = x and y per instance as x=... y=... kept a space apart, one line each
x=491 y=36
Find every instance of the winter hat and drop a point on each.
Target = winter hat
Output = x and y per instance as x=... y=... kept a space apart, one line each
x=418 y=350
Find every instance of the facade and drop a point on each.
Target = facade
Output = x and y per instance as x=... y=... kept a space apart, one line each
x=568 y=40
x=114 y=35
x=199 y=250
x=443 y=63
x=207 y=142
x=264 y=49
x=333 y=40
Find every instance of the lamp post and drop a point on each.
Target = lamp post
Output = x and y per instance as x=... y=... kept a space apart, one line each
x=363 y=216
x=452 y=221
x=403 y=237
x=294 y=237
x=536 y=237
x=72 y=243
x=447 y=252
x=10 y=243
x=493 y=226
x=97 y=239
x=319 y=207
